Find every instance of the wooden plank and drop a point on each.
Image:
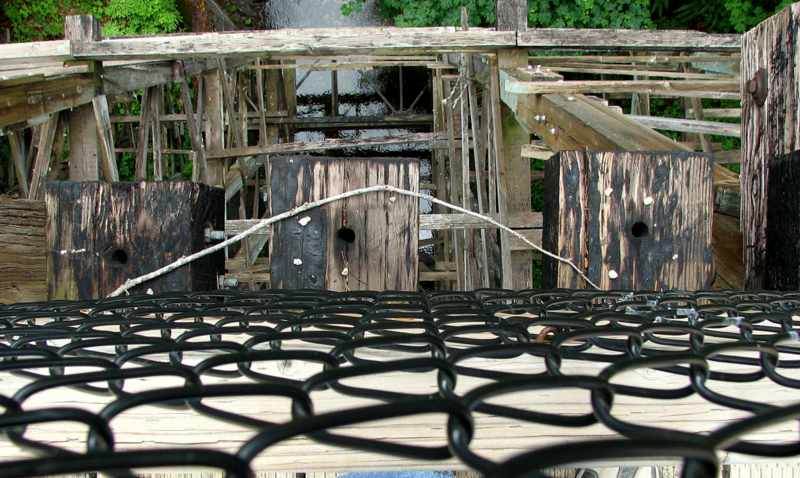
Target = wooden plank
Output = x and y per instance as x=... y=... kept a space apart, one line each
x=637 y=221
x=306 y=41
x=512 y=15
x=727 y=243
x=145 y=126
x=771 y=94
x=214 y=125
x=732 y=130
x=327 y=144
x=23 y=263
x=607 y=39
x=782 y=257
x=106 y=135
x=715 y=89
x=44 y=154
x=200 y=165
x=654 y=59
x=516 y=220
x=620 y=71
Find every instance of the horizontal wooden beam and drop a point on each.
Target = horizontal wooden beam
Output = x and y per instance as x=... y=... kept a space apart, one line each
x=352 y=122
x=35 y=52
x=521 y=220
x=683 y=125
x=298 y=147
x=306 y=41
x=636 y=59
x=629 y=40
x=716 y=89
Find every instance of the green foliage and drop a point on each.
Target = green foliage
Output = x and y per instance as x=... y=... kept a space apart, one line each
x=137 y=17
x=721 y=16
x=44 y=19
x=589 y=13
x=550 y=13
x=33 y=20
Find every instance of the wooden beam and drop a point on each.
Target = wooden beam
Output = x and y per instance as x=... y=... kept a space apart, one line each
x=306 y=41
x=17 y=143
x=327 y=144
x=628 y=40
x=200 y=165
x=732 y=130
x=35 y=52
x=43 y=155
x=716 y=89
x=84 y=164
x=106 y=135
x=23 y=251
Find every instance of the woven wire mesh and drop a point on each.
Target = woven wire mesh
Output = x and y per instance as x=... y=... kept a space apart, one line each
x=210 y=344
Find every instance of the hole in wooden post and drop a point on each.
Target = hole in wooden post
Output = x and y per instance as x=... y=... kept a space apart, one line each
x=640 y=229
x=119 y=257
x=346 y=234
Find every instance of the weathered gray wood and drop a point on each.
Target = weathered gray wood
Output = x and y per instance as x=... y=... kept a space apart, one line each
x=715 y=89
x=214 y=124
x=771 y=95
x=200 y=165
x=512 y=15
x=145 y=126
x=629 y=40
x=100 y=234
x=326 y=144
x=380 y=250
x=307 y=41
x=23 y=263
x=732 y=130
x=629 y=220
x=84 y=162
x=105 y=133
x=44 y=154
x=17 y=145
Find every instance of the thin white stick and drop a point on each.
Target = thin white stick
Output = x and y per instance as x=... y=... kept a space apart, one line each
x=312 y=205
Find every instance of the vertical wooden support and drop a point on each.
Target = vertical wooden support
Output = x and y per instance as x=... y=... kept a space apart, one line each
x=84 y=162
x=43 y=155
x=200 y=166
x=770 y=119
x=363 y=242
x=17 y=144
x=23 y=256
x=514 y=172
x=214 y=124
x=156 y=103
x=782 y=258
x=106 y=134
x=629 y=220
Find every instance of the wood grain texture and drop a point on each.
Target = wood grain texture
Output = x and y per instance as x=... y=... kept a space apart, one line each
x=84 y=160
x=769 y=130
x=637 y=40
x=23 y=263
x=383 y=252
x=100 y=234
x=598 y=204
x=306 y=41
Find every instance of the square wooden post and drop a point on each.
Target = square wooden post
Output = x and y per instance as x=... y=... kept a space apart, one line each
x=629 y=220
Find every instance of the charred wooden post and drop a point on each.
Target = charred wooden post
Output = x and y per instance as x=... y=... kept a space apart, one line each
x=629 y=220
x=23 y=262
x=100 y=234
x=782 y=257
x=367 y=242
x=770 y=98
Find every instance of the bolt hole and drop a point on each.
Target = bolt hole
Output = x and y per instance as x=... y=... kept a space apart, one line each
x=640 y=229
x=119 y=257
x=346 y=234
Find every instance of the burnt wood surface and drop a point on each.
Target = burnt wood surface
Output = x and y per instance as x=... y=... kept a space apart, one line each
x=629 y=219
x=783 y=224
x=770 y=108
x=379 y=252
x=23 y=262
x=101 y=234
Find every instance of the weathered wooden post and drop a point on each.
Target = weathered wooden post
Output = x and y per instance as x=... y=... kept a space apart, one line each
x=101 y=234
x=770 y=142
x=629 y=220
x=514 y=173
x=84 y=162
x=366 y=242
